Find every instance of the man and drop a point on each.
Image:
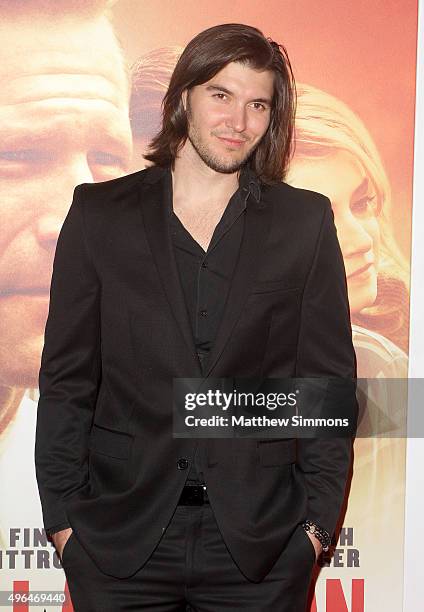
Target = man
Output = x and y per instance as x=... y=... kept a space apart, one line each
x=63 y=121
x=203 y=265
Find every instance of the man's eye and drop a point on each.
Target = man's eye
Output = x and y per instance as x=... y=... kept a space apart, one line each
x=220 y=96
x=259 y=106
x=26 y=155
x=106 y=159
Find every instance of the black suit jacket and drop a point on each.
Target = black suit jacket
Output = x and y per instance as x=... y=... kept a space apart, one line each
x=118 y=333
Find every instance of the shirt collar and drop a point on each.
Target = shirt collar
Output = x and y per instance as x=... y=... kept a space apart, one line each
x=249 y=184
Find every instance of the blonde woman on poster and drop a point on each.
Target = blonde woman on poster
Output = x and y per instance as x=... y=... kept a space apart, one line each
x=336 y=155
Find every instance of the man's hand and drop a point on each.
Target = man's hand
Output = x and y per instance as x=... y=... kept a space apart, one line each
x=60 y=538
x=316 y=544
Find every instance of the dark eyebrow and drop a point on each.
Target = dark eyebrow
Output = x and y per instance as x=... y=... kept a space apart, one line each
x=230 y=93
x=362 y=188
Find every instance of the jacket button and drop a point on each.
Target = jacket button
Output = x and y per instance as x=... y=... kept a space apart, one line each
x=182 y=463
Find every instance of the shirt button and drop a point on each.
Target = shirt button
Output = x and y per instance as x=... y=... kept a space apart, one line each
x=204 y=313
x=182 y=463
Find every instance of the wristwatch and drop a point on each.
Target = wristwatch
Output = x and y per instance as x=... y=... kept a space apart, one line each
x=321 y=534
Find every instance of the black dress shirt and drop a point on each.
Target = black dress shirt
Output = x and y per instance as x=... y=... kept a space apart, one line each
x=206 y=276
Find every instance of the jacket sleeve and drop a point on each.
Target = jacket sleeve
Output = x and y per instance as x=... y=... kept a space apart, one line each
x=325 y=349
x=70 y=370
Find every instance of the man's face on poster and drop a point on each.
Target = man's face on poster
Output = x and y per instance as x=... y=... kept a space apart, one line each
x=63 y=121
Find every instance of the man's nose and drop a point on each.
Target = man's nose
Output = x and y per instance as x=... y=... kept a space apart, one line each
x=59 y=192
x=237 y=118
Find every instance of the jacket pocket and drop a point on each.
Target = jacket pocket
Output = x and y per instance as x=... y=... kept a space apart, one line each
x=109 y=442
x=271 y=286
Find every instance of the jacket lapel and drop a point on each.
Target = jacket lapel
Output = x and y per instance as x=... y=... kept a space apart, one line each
x=257 y=226
x=153 y=194
x=256 y=230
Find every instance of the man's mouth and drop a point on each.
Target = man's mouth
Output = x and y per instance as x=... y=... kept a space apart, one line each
x=232 y=141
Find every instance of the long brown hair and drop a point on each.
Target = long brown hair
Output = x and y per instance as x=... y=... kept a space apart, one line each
x=201 y=60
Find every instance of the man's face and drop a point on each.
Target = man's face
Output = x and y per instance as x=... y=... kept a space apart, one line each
x=63 y=121
x=228 y=115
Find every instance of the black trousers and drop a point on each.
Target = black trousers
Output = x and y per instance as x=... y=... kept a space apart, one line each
x=191 y=569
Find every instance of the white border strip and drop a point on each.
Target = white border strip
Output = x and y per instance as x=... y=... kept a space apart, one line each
x=414 y=502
